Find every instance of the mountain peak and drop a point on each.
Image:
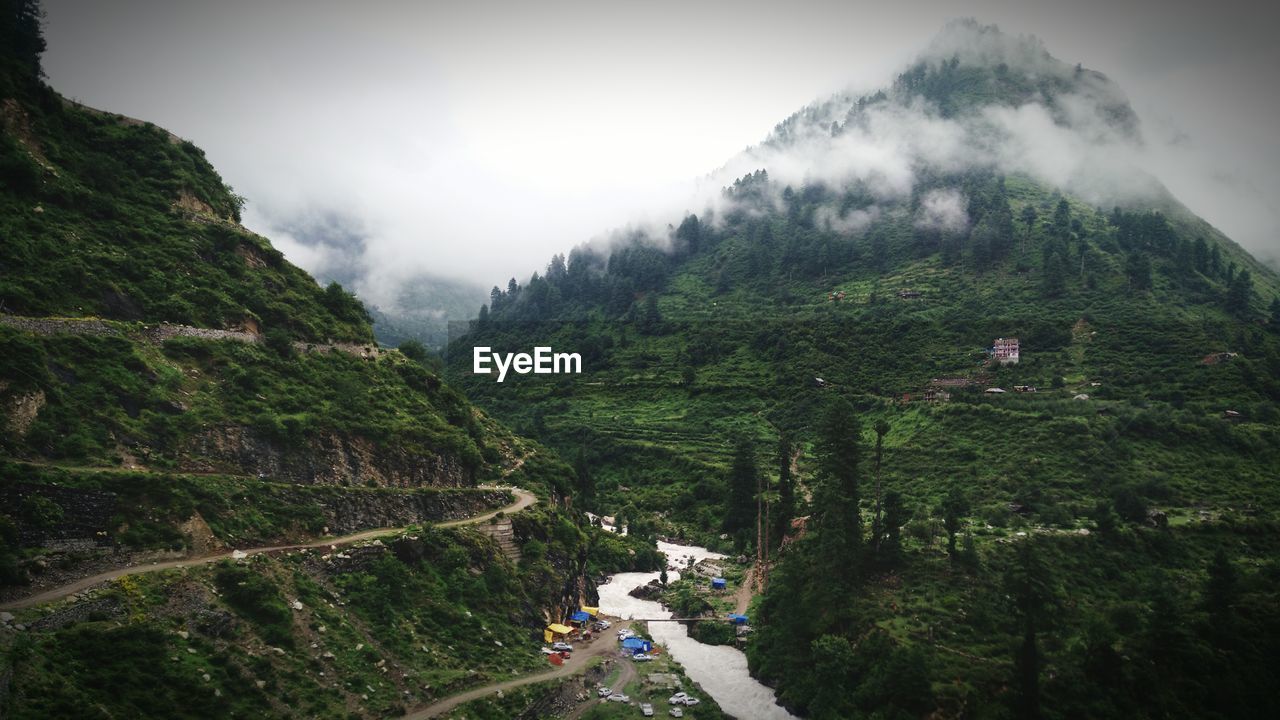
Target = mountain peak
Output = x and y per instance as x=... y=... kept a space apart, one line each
x=969 y=66
x=975 y=99
x=975 y=43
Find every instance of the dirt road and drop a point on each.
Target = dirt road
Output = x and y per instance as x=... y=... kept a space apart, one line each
x=524 y=499
x=602 y=645
x=742 y=597
x=627 y=673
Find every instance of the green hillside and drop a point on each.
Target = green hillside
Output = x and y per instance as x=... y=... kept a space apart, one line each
x=108 y=216
x=1012 y=554
x=171 y=389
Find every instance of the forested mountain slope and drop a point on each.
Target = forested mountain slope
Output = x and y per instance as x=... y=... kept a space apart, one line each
x=820 y=339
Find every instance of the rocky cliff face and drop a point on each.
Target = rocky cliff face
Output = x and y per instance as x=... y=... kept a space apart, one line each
x=350 y=512
x=330 y=459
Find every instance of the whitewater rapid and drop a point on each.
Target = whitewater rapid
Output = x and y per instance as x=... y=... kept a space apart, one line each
x=721 y=670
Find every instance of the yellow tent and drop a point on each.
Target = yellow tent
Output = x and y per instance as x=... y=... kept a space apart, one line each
x=592 y=611
x=553 y=630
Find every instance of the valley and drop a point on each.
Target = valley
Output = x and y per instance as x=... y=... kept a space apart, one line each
x=934 y=403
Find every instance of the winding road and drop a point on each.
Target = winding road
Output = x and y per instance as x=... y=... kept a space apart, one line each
x=524 y=499
x=600 y=646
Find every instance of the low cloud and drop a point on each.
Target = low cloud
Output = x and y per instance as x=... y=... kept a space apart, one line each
x=943 y=211
x=1085 y=141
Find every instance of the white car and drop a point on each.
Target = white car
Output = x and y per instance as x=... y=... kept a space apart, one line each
x=619 y=697
x=562 y=647
x=604 y=692
x=675 y=712
x=625 y=633
x=642 y=657
x=678 y=698
x=646 y=709
x=691 y=701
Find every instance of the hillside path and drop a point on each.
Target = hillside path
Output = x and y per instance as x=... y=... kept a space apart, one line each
x=524 y=499
x=746 y=591
x=625 y=677
x=602 y=645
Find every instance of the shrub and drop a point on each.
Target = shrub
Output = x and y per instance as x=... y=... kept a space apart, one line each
x=257 y=600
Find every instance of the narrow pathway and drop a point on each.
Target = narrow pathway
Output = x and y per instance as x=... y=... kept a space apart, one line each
x=524 y=499
x=626 y=675
x=746 y=590
x=599 y=647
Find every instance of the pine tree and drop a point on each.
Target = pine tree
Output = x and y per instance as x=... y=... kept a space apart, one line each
x=1029 y=585
x=689 y=234
x=650 y=320
x=1029 y=217
x=1239 y=294
x=1060 y=228
x=1138 y=267
x=21 y=35
x=1054 y=281
x=1220 y=591
x=584 y=483
x=954 y=507
x=556 y=270
x=785 y=509
x=835 y=495
x=741 y=510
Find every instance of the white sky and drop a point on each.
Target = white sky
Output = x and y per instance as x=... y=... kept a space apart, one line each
x=475 y=139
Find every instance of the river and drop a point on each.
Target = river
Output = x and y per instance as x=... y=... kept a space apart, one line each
x=720 y=670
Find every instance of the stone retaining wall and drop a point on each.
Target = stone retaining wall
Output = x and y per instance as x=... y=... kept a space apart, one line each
x=355 y=511
x=86 y=516
x=157 y=334
x=327 y=459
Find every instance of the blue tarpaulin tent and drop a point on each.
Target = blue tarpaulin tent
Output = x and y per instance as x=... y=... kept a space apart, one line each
x=635 y=645
x=717 y=583
x=737 y=619
x=580 y=616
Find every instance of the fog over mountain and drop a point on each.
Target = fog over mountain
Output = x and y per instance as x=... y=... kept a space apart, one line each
x=1074 y=129
x=389 y=142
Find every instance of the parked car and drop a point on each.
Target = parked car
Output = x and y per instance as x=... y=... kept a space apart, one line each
x=678 y=698
x=619 y=697
x=646 y=709
x=625 y=633
x=642 y=657
x=691 y=701
x=563 y=647
x=675 y=712
x=604 y=692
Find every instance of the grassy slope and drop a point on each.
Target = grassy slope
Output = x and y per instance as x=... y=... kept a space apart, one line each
x=108 y=217
x=449 y=616
x=1155 y=400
